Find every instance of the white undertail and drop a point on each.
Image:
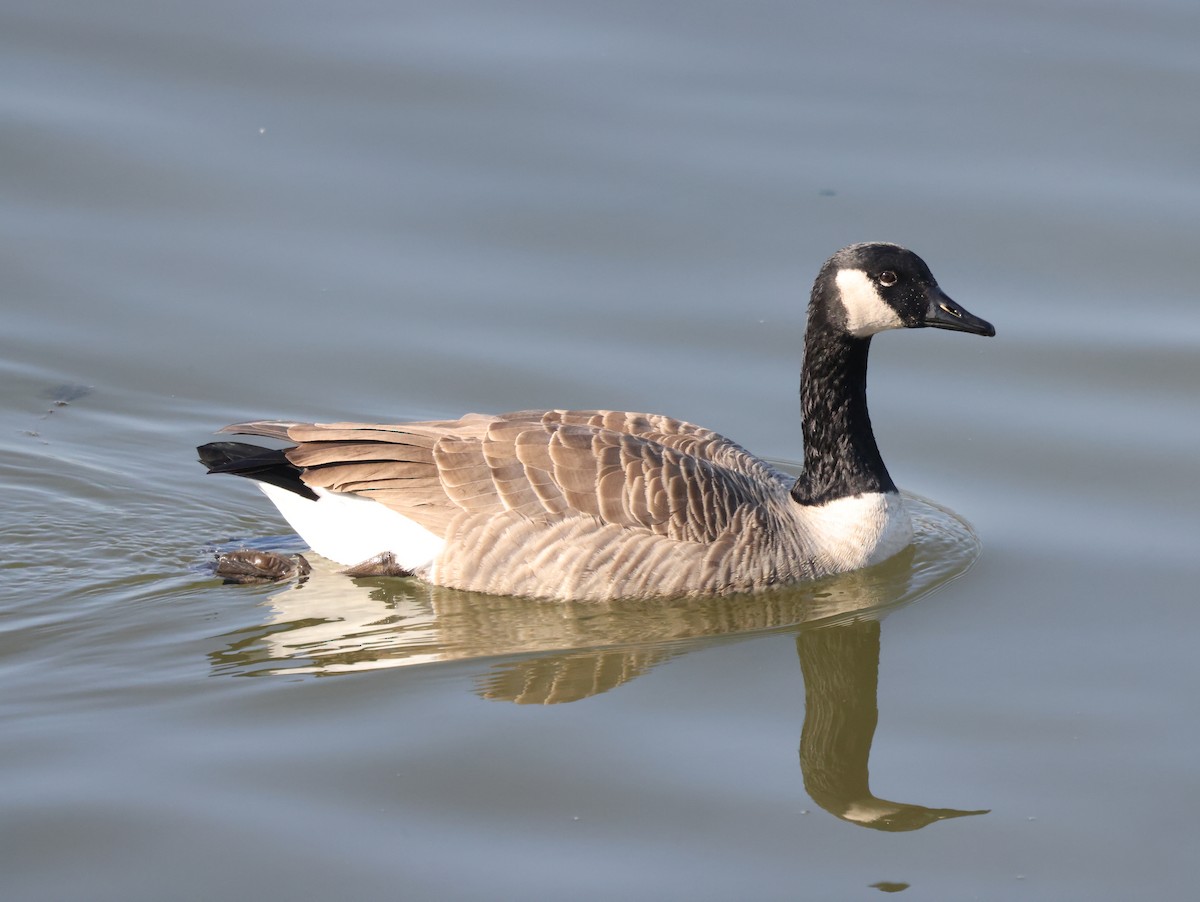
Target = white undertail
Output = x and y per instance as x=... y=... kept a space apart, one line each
x=351 y=529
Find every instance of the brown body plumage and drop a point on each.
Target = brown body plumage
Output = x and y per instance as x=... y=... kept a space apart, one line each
x=585 y=504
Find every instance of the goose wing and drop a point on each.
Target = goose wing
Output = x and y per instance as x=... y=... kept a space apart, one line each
x=640 y=471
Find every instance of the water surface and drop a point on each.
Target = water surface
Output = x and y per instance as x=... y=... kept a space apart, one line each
x=221 y=212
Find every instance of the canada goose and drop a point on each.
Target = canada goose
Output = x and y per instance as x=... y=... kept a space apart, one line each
x=607 y=504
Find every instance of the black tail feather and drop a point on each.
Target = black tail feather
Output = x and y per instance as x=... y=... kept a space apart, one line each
x=269 y=465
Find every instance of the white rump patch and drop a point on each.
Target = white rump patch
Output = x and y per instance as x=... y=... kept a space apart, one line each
x=859 y=531
x=866 y=312
x=350 y=529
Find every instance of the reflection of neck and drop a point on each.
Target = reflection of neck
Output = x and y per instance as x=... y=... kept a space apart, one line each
x=841 y=680
x=840 y=455
x=841 y=673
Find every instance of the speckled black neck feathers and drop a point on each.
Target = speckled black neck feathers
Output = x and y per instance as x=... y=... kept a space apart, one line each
x=841 y=458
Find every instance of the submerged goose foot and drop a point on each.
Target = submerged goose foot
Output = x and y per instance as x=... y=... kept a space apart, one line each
x=246 y=566
x=381 y=565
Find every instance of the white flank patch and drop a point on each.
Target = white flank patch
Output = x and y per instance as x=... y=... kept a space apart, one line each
x=859 y=531
x=350 y=529
x=866 y=312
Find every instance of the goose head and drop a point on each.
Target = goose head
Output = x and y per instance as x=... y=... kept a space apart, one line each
x=869 y=288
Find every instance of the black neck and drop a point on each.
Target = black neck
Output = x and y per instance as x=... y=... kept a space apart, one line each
x=841 y=458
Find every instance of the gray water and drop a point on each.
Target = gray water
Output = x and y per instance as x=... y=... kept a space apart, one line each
x=223 y=211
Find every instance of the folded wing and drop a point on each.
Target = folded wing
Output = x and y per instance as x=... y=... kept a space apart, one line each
x=643 y=472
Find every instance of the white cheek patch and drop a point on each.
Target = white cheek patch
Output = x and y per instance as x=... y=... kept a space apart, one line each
x=866 y=312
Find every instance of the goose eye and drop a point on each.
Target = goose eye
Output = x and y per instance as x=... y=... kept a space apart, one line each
x=887 y=278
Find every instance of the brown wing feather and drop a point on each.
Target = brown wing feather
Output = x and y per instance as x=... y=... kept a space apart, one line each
x=655 y=473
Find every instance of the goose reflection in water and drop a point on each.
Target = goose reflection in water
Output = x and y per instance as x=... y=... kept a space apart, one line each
x=563 y=652
x=841 y=679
